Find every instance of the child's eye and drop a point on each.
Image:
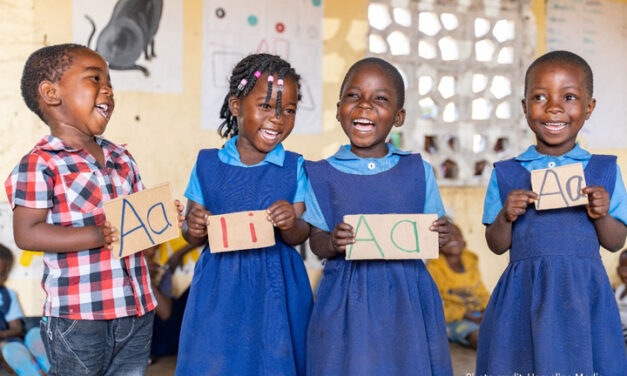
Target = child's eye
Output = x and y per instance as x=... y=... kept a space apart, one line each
x=539 y=97
x=265 y=106
x=290 y=111
x=571 y=97
x=352 y=95
x=381 y=98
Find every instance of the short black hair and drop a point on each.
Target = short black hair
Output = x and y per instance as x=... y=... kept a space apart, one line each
x=564 y=57
x=46 y=64
x=244 y=77
x=6 y=254
x=399 y=84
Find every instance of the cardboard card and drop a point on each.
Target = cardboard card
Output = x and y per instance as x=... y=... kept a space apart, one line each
x=143 y=219
x=240 y=230
x=559 y=187
x=392 y=237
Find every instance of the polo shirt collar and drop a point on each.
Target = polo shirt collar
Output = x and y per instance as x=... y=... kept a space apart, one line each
x=345 y=153
x=532 y=154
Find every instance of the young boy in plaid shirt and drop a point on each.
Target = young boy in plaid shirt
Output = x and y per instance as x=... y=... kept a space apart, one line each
x=99 y=310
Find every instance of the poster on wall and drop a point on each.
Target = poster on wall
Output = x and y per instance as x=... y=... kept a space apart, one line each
x=596 y=30
x=291 y=29
x=141 y=40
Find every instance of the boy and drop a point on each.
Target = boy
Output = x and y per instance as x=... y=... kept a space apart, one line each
x=14 y=355
x=464 y=296
x=98 y=312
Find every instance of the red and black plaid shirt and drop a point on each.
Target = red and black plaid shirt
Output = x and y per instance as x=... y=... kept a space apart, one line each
x=89 y=284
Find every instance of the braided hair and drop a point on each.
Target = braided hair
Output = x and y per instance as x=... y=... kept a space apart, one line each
x=244 y=77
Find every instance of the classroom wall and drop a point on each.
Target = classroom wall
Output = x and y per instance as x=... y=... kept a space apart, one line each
x=163 y=130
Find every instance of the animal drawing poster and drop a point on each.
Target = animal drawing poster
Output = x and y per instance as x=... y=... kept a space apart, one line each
x=597 y=31
x=142 y=40
x=291 y=29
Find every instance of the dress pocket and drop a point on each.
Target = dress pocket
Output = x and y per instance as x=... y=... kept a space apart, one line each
x=82 y=191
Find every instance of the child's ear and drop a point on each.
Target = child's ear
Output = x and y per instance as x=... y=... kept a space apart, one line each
x=399 y=118
x=590 y=107
x=48 y=92
x=523 y=102
x=234 y=103
x=337 y=111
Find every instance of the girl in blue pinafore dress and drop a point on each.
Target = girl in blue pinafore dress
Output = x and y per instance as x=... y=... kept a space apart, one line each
x=248 y=311
x=553 y=311
x=372 y=317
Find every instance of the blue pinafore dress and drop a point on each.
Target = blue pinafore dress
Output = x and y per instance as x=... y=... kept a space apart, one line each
x=375 y=317
x=553 y=311
x=247 y=311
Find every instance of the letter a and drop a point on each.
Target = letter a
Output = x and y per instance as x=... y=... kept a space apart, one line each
x=559 y=192
x=125 y=202
x=413 y=224
x=370 y=239
x=167 y=223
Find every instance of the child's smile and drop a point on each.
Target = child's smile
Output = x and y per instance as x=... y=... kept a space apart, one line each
x=556 y=106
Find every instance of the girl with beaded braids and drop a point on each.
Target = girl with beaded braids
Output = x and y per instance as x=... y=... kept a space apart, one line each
x=248 y=310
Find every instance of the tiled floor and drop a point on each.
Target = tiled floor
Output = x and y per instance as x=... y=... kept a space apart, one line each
x=463 y=363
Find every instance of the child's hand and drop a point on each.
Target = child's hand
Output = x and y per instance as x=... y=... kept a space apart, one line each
x=108 y=235
x=516 y=203
x=282 y=215
x=197 y=222
x=444 y=230
x=474 y=316
x=179 y=209
x=341 y=237
x=598 y=201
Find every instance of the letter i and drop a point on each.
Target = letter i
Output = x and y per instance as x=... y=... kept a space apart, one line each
x=225 y=236
x=253 y=234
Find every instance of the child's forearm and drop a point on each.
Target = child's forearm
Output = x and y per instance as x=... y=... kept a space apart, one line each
x=14 y=330
x=297 y=234
x=320 y=243
x=499 y=234
x=611 y=232
x=32 y=233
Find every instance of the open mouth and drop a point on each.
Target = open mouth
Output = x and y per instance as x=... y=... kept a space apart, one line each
x=554 y=127
x=104 y=110
x=269 y=134
x=363 y=125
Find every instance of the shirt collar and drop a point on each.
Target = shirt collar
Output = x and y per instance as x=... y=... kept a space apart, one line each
x=532 y=154
x=276 y=156
x=53 y=143
x=345 y=153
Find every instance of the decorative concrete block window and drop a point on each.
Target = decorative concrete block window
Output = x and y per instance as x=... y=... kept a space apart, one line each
x=463 y=62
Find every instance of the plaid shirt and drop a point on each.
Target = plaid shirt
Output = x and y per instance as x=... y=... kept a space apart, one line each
x=89 y=284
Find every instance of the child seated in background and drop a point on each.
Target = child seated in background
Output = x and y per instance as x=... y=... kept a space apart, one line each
x=621 y=291
x=464 y=296
x=169 y=312
x=27 y=357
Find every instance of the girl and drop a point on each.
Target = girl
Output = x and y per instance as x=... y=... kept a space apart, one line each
x=373 y=317
x=248 y=311
x=553 y=311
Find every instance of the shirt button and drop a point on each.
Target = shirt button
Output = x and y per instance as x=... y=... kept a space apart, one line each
x=371 y=166
x=551 y=164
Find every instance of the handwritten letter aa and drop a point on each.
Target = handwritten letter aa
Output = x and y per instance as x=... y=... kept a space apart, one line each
x=143 y=219
x=559 y=187
x=238 y=231
x=392 y=237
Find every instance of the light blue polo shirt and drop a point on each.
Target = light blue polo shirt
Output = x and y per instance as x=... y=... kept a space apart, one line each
x=230 y=155
x=532 y=160
x=346 y=161
x=15 y=312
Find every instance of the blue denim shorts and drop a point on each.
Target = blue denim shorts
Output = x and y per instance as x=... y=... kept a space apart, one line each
x=98 y=347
